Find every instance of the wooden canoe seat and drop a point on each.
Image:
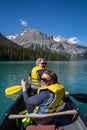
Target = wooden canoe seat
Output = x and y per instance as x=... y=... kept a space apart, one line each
x=41 y=127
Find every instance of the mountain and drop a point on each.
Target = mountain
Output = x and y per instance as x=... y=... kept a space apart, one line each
x=10 y=51
x=6 y=41
x=31 y=38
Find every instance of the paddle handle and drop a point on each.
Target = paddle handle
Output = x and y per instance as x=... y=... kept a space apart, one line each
x=33 y=115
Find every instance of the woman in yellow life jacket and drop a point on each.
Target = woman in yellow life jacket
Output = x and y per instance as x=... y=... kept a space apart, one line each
x=48 y=97
x=35 y=74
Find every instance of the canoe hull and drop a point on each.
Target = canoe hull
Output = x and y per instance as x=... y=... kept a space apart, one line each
x=70 y=122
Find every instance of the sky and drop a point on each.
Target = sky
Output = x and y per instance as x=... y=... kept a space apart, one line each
x=67 y=18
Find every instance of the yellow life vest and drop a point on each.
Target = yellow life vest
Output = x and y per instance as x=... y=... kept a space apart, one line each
x=35 y=74
x=58 y=91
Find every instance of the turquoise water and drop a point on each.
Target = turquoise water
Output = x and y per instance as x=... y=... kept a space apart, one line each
x=73 y=75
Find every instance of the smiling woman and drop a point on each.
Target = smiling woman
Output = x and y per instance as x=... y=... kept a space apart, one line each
x=48 y=96
x=48 y=78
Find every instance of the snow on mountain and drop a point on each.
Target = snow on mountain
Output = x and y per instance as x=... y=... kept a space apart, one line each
x=59 y=38
x=11 y=37
x=73 y=40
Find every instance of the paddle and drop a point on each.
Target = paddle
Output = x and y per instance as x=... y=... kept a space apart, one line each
x=34 y=115
x=14 y=89
x=81 y=97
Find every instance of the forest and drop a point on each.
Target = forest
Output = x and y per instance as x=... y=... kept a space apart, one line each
x=15 y=53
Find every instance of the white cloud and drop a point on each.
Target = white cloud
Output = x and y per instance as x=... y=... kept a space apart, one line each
x=23 y=22
x=73 y=40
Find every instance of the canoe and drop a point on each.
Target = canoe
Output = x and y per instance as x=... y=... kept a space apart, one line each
x=69 y=121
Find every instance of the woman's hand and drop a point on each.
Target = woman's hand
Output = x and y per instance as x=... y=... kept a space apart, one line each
x=23 y=84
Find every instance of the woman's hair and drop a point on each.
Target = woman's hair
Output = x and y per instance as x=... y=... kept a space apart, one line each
x=52 y=75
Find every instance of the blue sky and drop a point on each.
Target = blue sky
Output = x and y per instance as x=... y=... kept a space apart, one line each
x=67 y=18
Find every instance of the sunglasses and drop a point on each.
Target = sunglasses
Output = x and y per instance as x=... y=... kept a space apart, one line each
x=43 y=63
x=45 y=80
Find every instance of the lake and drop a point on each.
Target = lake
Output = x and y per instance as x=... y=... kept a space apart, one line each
x=72 y=74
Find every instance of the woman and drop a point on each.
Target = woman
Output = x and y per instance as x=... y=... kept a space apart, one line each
x=48 y=97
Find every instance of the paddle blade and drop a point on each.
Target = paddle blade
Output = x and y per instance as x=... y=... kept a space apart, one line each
x=13 y=89
x=80 y=97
